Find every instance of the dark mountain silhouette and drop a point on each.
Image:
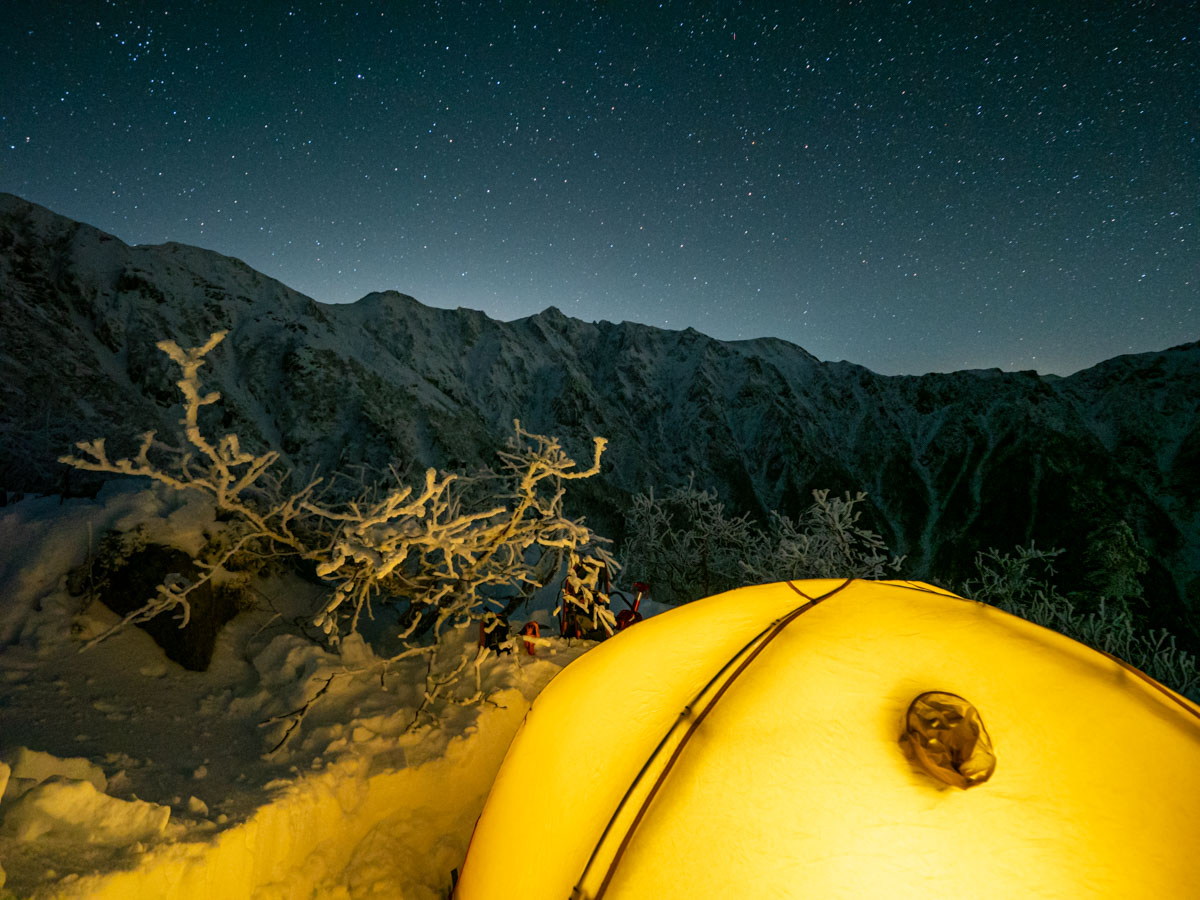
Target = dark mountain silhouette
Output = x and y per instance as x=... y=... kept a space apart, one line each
x=953 y=463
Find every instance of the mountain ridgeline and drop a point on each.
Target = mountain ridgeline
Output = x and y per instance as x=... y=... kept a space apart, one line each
x=953 y=463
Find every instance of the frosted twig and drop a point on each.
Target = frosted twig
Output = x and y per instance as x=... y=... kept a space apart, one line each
x=297 y=715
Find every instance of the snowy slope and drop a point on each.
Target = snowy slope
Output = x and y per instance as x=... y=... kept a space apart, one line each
x=954 y=463
x=123 y=775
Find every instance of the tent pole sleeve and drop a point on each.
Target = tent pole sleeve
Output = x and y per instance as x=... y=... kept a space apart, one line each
x=625 y=819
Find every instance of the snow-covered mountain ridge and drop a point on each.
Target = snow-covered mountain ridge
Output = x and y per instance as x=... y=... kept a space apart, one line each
x=953 y=462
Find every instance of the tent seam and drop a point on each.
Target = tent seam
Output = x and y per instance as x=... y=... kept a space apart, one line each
x=762 y=639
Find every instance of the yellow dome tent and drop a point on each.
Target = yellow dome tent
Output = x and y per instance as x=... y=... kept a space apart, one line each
x=773 y=741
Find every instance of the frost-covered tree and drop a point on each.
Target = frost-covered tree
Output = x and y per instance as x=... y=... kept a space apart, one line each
x=1022 y=583
x=686 y=546
x=429 y=550
x=827 y=541
x=1019 y=582
x=1114 y=560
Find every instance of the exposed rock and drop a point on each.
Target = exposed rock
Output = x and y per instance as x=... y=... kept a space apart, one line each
x=128 y=586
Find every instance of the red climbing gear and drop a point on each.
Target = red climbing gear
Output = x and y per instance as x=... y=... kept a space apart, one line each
x=531 y=628
x=631 y=616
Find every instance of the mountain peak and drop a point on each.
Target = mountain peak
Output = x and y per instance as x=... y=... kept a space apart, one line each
x=388 y=297
x=951 y=462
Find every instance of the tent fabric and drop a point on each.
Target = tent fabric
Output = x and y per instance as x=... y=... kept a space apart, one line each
x=755 y=744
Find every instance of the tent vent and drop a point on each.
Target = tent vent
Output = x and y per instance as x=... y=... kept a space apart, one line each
x=948 y=739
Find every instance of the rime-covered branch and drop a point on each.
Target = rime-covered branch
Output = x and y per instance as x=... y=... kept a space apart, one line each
x=429 y=550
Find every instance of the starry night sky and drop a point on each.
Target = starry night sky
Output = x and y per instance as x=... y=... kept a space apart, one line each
x=918 y=186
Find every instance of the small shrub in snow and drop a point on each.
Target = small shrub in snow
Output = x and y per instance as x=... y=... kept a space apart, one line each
x=585 y=597
x=429 y=550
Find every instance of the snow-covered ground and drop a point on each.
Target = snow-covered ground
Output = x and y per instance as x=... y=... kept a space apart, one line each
x=125 y=775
